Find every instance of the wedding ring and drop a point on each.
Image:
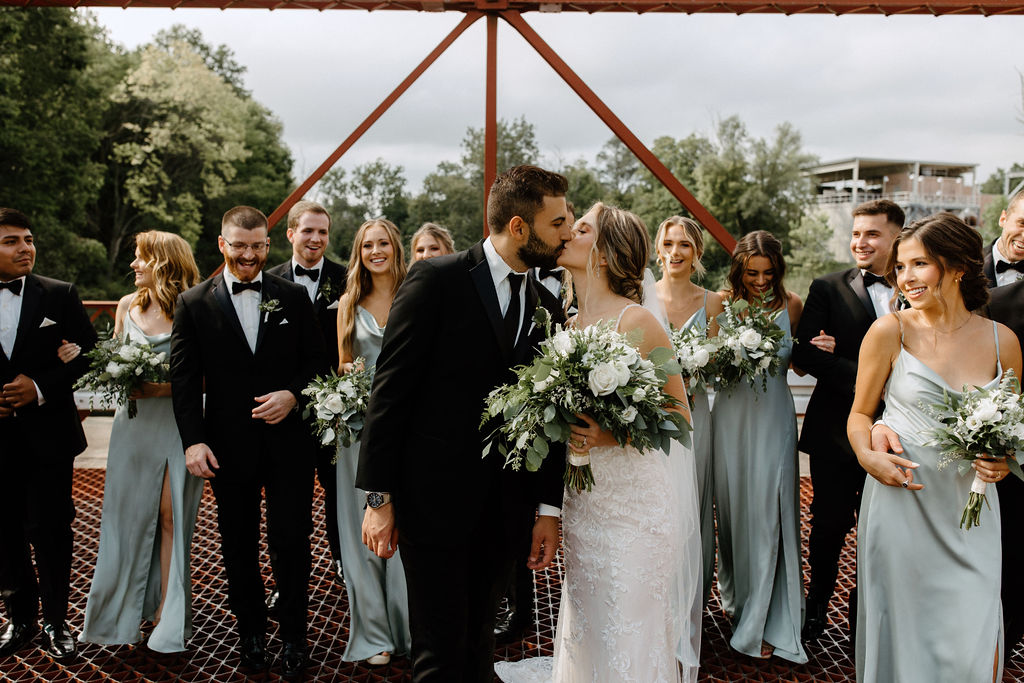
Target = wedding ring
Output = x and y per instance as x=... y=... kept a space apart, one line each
x=904 y=484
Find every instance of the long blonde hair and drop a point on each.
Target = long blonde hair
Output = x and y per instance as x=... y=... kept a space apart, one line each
x=693 y=231
x=360 y=282
x=174 y=269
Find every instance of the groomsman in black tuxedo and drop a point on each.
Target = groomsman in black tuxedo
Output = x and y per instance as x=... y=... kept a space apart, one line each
x=40 y=435
x=1004 y=259
x=458 y=324
x=309 y=227
x=839 y=310
x=252 y=339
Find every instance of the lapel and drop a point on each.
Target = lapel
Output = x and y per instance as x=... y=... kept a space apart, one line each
x=856 y=285
x=31 y=315
x=267 y=292
x=481 y=276
x=223 y=297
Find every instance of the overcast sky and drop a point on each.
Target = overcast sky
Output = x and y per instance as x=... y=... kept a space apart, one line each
x=926 y=88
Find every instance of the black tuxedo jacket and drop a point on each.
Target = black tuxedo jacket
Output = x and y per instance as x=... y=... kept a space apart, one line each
x=839 y=304
x=989 y=266
x=444 y=350
x=208 y=345
x=52 y=430
x=334 y=275
x=1006 y=305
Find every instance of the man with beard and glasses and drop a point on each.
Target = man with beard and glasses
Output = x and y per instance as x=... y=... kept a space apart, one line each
x=460 y=324
x=252 y=339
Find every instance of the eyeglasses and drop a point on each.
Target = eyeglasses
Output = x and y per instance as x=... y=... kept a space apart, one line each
x=242 y=247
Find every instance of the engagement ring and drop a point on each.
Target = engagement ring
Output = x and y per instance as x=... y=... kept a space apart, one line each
x=904 y=484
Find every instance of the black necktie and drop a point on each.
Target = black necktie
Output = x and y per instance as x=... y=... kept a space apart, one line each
x=872 y=279
x=13 y=285
x=512 y=313
x=237 y=287
x=1002 y=266
x=311 y=273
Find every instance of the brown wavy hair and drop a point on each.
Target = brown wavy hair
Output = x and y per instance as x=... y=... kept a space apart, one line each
x=693 y=230
x=622 y=238
x=953 y=244
x=174 y=269
x=758 y=243
x=438 y=232
x=360 y=281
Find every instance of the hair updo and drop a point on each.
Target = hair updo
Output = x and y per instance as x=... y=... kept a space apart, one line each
x=623 y=240
x=953 y=244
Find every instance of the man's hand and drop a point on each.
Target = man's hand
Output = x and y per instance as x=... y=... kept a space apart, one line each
x=20 y=392
x=545 y=542
x=5 y=409
x=379 y=532
x=199 y=459
x=274 y=407
x=884 y=439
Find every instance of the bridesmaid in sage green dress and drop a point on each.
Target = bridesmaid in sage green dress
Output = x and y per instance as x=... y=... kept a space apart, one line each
x=149 y=498
x=929 y=607
x=756 y=478
x=377 y=597
x=679 y=244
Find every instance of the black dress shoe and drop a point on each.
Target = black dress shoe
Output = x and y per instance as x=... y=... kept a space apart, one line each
x=16 y=636
x=58 y=642
x=815 y=622
x=253 y=652
x=293 y=660
x=511 y=628
x=272 y=601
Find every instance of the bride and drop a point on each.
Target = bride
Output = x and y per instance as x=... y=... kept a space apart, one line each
x=630 y=608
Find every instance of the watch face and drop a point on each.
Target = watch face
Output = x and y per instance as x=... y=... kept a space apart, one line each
x=374 y=499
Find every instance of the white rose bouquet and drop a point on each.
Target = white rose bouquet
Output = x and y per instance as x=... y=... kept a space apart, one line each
x=980 y=423
x=695 y=351
x=748 y=344
x=594 y=371
x=339 y=404
x=118 y=367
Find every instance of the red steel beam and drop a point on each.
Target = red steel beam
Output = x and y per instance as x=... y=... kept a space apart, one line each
x=303 y=188
x=631 y=141
x=491 y=114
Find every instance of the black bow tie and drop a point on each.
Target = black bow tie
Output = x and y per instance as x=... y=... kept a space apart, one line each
x=872 y=279
x=545 y=273
x=311 y=273
x=13 y=285
x=255 y=286
x=1002 y=266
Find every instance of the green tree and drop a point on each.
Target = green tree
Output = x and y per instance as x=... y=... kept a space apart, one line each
x=585 y=188
x=452 y=199
x=996 y=182
x=517 y=144
x=989 y=226
x=619 y=171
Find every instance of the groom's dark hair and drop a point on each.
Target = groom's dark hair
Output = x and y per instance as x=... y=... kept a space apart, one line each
x=520 y=191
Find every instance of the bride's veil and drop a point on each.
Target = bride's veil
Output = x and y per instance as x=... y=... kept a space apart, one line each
x=689 y=594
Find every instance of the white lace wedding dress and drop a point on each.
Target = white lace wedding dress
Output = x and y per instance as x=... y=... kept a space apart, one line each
x=631 y=592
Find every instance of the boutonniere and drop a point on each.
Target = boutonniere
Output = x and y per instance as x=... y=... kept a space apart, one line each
x=326 y=290
x=269 y=306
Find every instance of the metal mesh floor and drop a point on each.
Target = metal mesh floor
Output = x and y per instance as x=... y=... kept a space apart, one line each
x=211 y=655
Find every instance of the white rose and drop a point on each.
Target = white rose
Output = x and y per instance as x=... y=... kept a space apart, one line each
x=765 y=362
x=629 y=355
x=972 y=422
x=700 y=358
x=155 y=360
x=639 y=395
x=769 y=346
x=334 y=403
x=629 y=414
x=987 y=410
x=750 y=339
x=327 y=438
x=348 y=390
x=128 y=352
x=115 y=369
x=562 y=343
x=603 y=379
x=621 y=374
x=546 y=382
x=1017 y=431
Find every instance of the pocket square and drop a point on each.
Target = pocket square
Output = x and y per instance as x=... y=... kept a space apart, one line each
x=284 y=321
x=334 y=306
x=47 y=322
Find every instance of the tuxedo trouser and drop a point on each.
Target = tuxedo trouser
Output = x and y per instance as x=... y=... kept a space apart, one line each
x=36 y=512
x=1011 y=510
x=453 y=597
x=837 y=482
x=520 y=586
x=287 y=479
x=327 y=477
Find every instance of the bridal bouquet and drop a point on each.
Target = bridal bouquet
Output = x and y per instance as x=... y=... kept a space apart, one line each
x=748 y=344
x=594 y=371
x=339 y=404
x=117 y=369
x=978 y=424
x=694 y=351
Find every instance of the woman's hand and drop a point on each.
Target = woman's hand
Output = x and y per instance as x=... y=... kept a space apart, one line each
x=824 y=342
x=990 y=470
x=585 y=437
x=350 y=366
x=890 y=469
x=68 y=351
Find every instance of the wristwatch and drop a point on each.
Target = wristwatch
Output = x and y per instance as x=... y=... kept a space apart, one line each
x=375 y=499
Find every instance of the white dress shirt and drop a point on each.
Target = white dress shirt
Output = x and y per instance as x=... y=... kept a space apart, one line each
x=10 y=317
x=499 y=274
x=880 y=296
x=1007 y=277
x=311 y=285
x=247 y=308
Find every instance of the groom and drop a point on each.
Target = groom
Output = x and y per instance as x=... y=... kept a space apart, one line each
x=458 y=325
